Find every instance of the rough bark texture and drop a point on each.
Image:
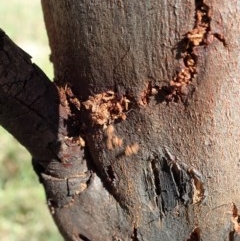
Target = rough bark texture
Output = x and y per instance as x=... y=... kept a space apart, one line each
x=131 y=46
x=25 y=96
x=148 y=122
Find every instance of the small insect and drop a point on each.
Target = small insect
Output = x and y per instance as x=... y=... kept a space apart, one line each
x=132 y=149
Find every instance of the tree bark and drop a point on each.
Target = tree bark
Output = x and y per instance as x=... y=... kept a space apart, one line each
x=145 y=134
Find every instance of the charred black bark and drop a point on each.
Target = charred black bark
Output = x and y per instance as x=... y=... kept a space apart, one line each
x=29 y=101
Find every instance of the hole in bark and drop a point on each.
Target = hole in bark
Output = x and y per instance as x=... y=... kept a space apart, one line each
x=52 y=203
x=156 y=177
x=166 y=196
x=106 y=107
x=195 y=235
x=83 y=237
x=89 y=181
x=235 y=219
x=134 y=236
x=181 y=87
x=169 y=189
x=144 y=97
x=111 y=175
x=231 y=236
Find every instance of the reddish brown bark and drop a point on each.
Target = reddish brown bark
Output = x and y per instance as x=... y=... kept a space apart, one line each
x=129 y=47
x=148 y=123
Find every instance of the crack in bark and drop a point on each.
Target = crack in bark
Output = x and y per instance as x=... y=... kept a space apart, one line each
x=83 y=237
x=173 y=182
x=181 y=87
x=135 y=235
x=111 y=176
x=61 y=192
x=235 y=220
x=195 y=235
x=20 y=80
x=35 y=111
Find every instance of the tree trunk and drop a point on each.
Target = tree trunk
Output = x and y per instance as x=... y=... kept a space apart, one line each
x=138 y=138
